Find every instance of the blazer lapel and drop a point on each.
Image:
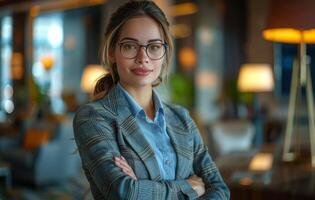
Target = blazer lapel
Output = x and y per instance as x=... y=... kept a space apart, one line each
x=182 y=142
x=140 y=145
x=128 y=126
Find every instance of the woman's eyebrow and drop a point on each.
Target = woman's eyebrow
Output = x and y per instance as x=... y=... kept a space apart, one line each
x=155 y=40
x=133 y=39
x=129 y=38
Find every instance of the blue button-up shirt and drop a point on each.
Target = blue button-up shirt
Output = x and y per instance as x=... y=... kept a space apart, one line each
x=156 y=134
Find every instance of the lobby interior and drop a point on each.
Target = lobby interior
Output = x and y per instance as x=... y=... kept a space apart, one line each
x=249 y=90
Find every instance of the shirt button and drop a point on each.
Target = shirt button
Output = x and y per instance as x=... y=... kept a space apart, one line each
x=167 y=162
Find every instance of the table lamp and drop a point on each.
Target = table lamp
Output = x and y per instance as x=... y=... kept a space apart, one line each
x=293 y=21
x=90 y=76
x=255 y=77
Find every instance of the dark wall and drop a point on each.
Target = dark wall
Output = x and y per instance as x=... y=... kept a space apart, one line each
x=234 y=37
x=82 y=39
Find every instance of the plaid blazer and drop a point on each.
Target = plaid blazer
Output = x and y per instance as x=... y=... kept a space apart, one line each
x=106 y=128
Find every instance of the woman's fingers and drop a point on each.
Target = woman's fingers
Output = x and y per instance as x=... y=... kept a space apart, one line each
x=131 y=174
x=122 y=163
x=197 y=178
x=197 y=184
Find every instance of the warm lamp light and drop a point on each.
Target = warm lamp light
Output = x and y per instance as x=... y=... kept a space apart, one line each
x=206 y=79
x=180 y=30
x=292 y=21
x=48 y=62
x=255 y=78
x=261 y=162
x=289 y=35
x=187 y=58
x=90 y=76
x=17 y=69
x=184 y=9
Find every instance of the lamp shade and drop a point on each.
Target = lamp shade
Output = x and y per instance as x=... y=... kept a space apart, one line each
x=255 y=78
x=90 y=76
x=291 y=21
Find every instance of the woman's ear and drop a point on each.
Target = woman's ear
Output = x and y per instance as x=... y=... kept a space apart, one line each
x=111 y=55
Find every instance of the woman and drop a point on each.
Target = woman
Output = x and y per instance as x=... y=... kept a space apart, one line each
x=132 y=145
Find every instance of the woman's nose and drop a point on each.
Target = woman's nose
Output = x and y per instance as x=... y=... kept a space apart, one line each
x=142 y=56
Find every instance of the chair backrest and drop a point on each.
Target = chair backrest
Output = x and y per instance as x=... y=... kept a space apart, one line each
x=234 y=135
x=57 y=160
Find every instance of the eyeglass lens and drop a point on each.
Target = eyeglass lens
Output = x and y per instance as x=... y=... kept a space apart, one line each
x=153 y=50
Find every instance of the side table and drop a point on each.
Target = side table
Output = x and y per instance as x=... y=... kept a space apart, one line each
x=283 y=181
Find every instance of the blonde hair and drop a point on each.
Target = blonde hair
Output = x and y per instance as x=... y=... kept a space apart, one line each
x=116 y=22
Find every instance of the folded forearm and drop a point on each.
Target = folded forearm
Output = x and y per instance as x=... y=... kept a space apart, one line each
x=208 y=171
x=128 y=188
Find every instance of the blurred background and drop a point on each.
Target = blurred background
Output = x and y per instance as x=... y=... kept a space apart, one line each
x=249 y=89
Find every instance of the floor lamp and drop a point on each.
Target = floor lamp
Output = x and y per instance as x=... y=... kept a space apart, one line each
x=293 y=21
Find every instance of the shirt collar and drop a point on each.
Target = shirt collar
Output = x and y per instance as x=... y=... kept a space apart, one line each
x=157 y=103
x=135 y=108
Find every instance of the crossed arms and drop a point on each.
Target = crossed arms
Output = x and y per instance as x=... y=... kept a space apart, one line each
x=97 y=147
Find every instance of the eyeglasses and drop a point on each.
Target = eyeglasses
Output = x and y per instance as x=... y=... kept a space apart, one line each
x=154 y=51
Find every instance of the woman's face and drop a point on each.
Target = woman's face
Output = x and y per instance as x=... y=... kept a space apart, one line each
x=135 y=68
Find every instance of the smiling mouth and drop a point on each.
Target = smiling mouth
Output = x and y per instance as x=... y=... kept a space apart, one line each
x=141 y=71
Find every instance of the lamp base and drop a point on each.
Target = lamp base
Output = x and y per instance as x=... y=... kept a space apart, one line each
x=289 y=157
x=300 y=77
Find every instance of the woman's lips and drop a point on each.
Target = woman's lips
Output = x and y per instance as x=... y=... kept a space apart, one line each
x=141 y=71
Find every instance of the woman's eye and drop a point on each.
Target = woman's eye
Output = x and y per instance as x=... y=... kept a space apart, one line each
x=155 y=47
x=130 y=46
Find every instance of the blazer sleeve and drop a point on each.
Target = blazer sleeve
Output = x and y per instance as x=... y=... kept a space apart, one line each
x=97 y=145
x=204 y=167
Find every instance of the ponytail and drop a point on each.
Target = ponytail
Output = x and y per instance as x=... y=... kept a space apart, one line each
x=102 y=86
x=105 y=83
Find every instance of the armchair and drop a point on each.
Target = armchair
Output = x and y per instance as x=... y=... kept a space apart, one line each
x=51 y=162
x=232 y=136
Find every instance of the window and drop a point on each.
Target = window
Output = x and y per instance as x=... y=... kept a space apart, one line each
x=48 y=58
x=6 y=105
x=284 y=59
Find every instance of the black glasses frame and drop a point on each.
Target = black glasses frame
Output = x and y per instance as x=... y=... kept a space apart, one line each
x=165 y=45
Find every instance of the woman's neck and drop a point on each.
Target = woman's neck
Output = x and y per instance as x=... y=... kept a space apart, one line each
x=143 y=96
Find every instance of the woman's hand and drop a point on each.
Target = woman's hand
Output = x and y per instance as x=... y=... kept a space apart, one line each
x=197 y=184
x=123 y=165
